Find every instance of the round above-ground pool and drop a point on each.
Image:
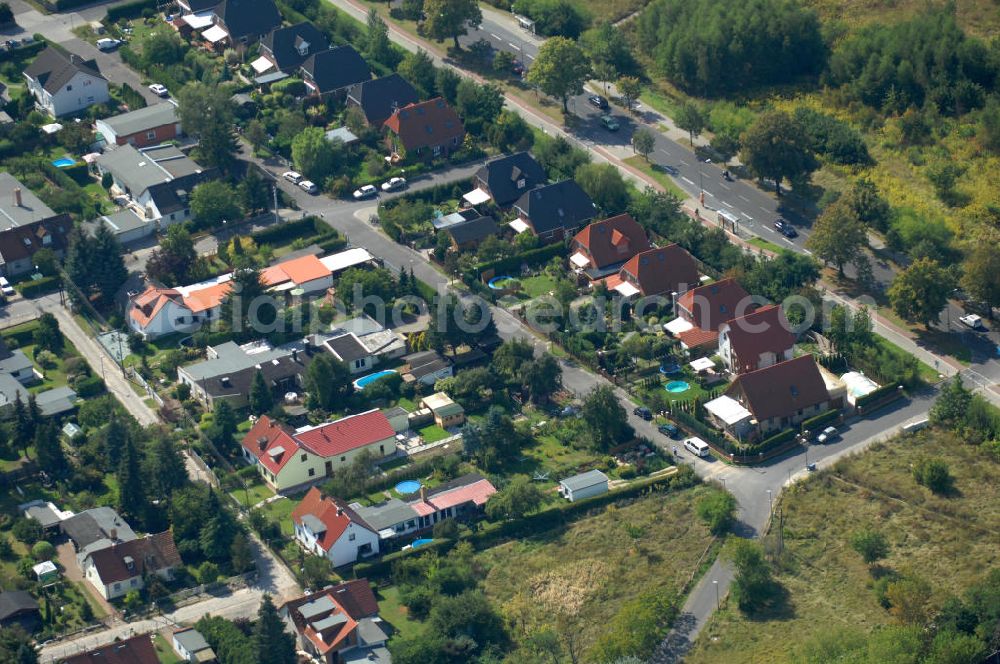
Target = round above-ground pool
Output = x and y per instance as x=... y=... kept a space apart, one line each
x=417 y=543
x=676 y=386
x=64 y=162
x=365 y=381
x=408 y=486
x=502 y=282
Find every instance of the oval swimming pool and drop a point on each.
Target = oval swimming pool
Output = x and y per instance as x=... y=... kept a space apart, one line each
x=408 y=486
x=676 y=386
x=364 y=381
x=501 y=282
x=64 y=162
x=417 y=543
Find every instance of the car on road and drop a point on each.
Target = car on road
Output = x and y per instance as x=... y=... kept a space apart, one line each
x=364 y=192
x=309 y=187
x=972 y=321
x=108 y=44
x=159 y=90
x=393 y=184
x=5 y=287
x=598 y=101
x=668 y=430
x=610 y=123
x=785 y=228
x=643 y=412
x=292 y=176
x=827 y=435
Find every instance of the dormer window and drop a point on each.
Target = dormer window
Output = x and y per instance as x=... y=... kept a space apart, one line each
x=521 y=183
x=303 y=48
x=46 y=240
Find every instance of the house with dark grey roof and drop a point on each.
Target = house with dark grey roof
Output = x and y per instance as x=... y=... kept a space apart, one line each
x=379 y=98
x=95 y=528
x=505 y=179
x=64 y=83
x=286 y=48
x=333 y=71
x=426 y=367
x=470 y=233
x=246 y=21
x=348 y=349
x=27 y=225
x=553 y=211
x=18 y=607
x=151 y=125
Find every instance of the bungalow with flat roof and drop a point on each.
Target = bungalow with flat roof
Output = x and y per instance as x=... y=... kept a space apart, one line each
x=191 y=646
x=339 y=624
x=328 y=527
x=601 y=248
x=757 y=340
x=505 y=179
x=424 y=130
x=379 y=98
x=426 y=367
x=26 y=226
x=702 y=311
x=142 y=127
x=63 y=83
x=331 y=72
x=663 y=271
x=553 y=211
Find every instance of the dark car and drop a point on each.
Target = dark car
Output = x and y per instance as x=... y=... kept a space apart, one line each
x=785 y=228
x=668 y=430
x=517 y=68
x=598 y=101
x=643 y=412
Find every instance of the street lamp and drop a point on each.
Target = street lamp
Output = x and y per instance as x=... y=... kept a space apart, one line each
x=701 y=186
x=770 y=502
x=718 y=604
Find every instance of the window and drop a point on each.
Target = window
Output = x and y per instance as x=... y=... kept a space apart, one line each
x=520 y=183
x=118 y=586
x=151 y=134
x=343 y=459
x=69 y=88
x=133 y=582
x=350 y=538
x=312 y=472
x=86 y=82
x=303 y=457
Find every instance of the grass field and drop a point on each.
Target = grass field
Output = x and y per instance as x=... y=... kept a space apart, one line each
x=979 y=17
x=950 y=542
x=394 y=613
x=164 y=652
x=639 y=163
x=587 y=570
x=537 y=286
x=433 y=433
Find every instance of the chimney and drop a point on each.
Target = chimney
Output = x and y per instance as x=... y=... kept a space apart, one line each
x=423 y=494
x=262 y=442
x=340 y=511
x=17 y=196
x=295 y=355
x=114 y=534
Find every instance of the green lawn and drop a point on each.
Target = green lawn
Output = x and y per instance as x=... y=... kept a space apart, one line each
x=257 y=492
x=281 y=511
x=767 y=245
x=164 y=652
x=657 y=173
x=394 y=613
x=408 y=404
x=433 y=433
x=537 y=286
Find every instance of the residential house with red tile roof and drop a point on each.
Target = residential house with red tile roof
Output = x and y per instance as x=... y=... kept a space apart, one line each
x=136 y=650
x=424 y=130
x=115 y=570
x=701 y=312
x=756 y=340
x=661 y=271
x=338 y=624
x=781 y=395
x=307 y=273
x=327 y=527
x=290 y=458
x=602 y=247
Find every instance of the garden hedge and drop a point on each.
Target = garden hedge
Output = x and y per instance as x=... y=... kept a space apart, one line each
x=876 y=395
x=293 y=230
x=129 y=10
x=532 y=257
x=88 y=387
x=26 y=51
x=814 y=423
x=34 y=288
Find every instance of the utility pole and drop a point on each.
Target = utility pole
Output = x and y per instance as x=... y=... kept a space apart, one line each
x=274 y=191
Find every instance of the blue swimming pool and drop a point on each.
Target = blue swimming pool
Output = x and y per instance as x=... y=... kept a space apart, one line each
x=676 y=386
x=64 y=162
x=408 y=486
x=501 y=283
x=365 y=381
x=417 y=543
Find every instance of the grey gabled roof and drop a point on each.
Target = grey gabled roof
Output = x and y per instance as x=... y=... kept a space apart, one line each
x=142 y=169
x=561 y=205
x=474 y=230
x=95 y=524
x=13 y=361
x=336 y=68
x=284 y=44
x=502 y=174
x=142 y=119
x=378 y=98
x=54 y=68
x=31 y=209
x=13 y=602
x=248 y=18
x=584 y=480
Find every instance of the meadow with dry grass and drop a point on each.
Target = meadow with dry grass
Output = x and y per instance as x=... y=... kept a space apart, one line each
x=950 y=541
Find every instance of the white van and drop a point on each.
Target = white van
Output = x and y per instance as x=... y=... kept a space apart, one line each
x=696 y=446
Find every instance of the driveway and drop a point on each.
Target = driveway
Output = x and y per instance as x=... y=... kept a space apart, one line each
x=66 y=555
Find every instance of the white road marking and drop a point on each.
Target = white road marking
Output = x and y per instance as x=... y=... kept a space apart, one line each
x=496 y=36
x=664 y=151
x=747 y=216
x=743 y=197
x=685 y=163
x=724 y=186
x=788 y=241
x=688 y=181
x=809 y=253
x=769 y=229
x=529 y=56
x=727 y=204
x=514 y=46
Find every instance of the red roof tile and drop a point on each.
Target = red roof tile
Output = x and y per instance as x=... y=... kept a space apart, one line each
x=149 y=555
x=299 y=271
x=346 y=434
x=271 y=442
x=662 y=271
x=763 y=331
x=696 y=337
x=354 y=599
x=782 y=389
x=610 y=241
x=427 y=124
x=332 y=513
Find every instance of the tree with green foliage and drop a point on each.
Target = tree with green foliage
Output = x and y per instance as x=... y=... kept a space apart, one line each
x=114 y=439
x=643 y=142
x=256 y=134
x=47 y=335
x=313 y=155
x=467 y=621
x=273 y=644
x=444 y=19
x=608 y=49
x=418 y=68
x=247 y=307
x=327 y=384
x=605 y=185
x=206 y=112
x=934 y=474
x=869 y=205
x=838 y=236
x=776 y=147
x=629 y=87
x=870 y=544
x=637 y=628
x=560 y=69
x=718 y=511
x=753 y=587
x=690 y=118
x=605 y=419
x=49 y=451
x=478 y=105
x=231 y=644
x=16 y=646
x=95 y=263
x=378 y=46
x=213 y=202
x=919 y=293
x=516 y=500
x=132 y=502
x=173 y=261
x=163 y=467
x=510 y=132
x=981 y=272
x=253 y=192
x=261 y=397
x=953 y=401
x=446 y=82
x=542 y=377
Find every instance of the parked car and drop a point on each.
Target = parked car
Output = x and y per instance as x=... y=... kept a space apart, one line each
x=292 y=177
x=393 y=184
x=785 y=228
x=364 y=192
x=610 y=123
x=827 y=435
x=309 y=187
x=598 y=101
x=668 y=430
x=159 y=90
x=973 y=321
x=643 y=412
x=517 y=68
x=108 y=44
x=5 y=287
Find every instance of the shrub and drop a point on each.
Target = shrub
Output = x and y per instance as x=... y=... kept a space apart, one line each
x=717 y=511
x=43 y=550
x=870 y=544
x=208 y=572
x=46 y=359
x=37 y=287
x=934 y=474
x=27 y=530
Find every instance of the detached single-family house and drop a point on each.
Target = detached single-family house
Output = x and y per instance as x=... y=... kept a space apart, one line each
x=290 y=458
x=18 y=607
x=284 y=49
x=96 y=528
x=702 y=311
x=306 y=273
x=466 y=228
x=601 y=248
x=426 y=367
x=136 y=650
x=26 y=226
x=779 y=396
x=142 y=127
x=505 y=179
x=159 y=311
x=584 y=485
x=553 y=211
x=244 y=22
x=379 y=98
x=446 y=412
x=17 y=365
x=191 y=646
x=123 y=566
x=424 y=130
x=662 y=271
x=333 y=71
x=64 y=83
x=756 y=340
x=328 y=527
x=157 y=180
x=339 y=624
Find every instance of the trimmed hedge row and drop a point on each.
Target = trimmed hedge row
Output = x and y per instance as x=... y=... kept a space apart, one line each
x=689 y=421
x=90 y=386
x=531 y=257
x=34 y=288
x=876 y=395
x=814 y=423
x=130 y=10
x=292 y=230
x=332 y=244
x=26 y=51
